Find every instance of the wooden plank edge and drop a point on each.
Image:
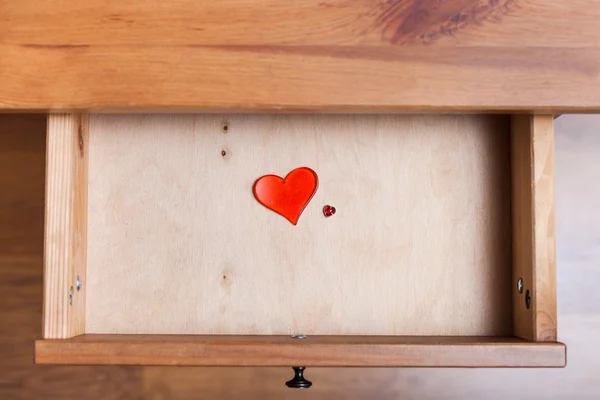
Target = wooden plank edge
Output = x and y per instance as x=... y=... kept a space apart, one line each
x=544 y=228
x=167 y=350
x=251 y=108
x=65 y=227
x=533 y=216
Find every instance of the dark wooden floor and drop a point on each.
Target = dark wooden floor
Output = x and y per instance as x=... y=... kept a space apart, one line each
x=22 y=150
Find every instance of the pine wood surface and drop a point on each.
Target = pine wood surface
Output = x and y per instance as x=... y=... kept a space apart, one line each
x=319 y=55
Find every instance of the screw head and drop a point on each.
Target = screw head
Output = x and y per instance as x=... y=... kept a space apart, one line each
x=520 y=285
x=78 y=283
x=299 y=336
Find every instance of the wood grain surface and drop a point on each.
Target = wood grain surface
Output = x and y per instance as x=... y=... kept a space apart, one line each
x=534 y=237
x=300 y=55
x=285 y=351
x=22 y=149
x=421 y=234
x=65 y=242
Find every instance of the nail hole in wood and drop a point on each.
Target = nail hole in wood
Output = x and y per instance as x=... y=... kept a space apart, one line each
x=81 y=145
x=225 y=127
x=80 y=138
x=223 y=153
x=527 y=299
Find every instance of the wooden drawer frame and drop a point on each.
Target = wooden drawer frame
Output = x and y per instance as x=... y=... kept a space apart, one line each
x=534 y=328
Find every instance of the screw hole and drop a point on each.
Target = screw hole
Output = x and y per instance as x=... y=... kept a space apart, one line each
x=225 y=127
x=71 y=296
x=527 y=299
x=223 y=153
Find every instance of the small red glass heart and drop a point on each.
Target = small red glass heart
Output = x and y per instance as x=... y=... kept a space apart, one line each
x=328 y=210
x=287 y=196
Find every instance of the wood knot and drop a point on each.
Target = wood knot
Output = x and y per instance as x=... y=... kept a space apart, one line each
x=80 y=139
x=407 y=21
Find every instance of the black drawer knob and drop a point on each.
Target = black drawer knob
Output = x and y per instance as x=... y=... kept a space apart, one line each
x=298 y=382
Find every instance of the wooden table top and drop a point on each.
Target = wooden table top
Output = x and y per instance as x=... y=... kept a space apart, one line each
x=272 y=55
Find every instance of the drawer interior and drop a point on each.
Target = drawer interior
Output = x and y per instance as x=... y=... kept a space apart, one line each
x=441 y=252
x=420 y=243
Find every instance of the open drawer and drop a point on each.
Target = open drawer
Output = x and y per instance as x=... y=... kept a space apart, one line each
x=441 y=252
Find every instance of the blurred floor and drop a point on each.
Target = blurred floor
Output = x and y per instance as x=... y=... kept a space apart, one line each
x=22 y=147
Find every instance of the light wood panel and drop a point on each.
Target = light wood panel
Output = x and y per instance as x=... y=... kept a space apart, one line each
x=420 y=243
x=66 y=226
x=300 y=55
x=534 y=241
x=320 y=351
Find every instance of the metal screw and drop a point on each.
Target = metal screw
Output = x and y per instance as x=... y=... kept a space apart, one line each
x=299 y=336
x=520 y=285
x=78 y=283
x=71 y=296
x=527 y=299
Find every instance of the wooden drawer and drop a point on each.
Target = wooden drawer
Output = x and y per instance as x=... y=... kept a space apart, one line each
x=441 y=253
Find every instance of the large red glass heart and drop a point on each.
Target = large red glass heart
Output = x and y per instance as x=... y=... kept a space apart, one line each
x=287 y=196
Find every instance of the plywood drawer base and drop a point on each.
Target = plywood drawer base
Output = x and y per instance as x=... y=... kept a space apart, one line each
x=158 y=254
